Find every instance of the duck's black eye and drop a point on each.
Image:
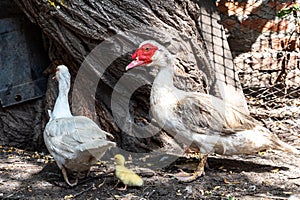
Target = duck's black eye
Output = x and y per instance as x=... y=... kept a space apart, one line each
x=147 y=48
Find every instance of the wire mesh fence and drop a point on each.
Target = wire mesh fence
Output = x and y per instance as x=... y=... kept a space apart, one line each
x=266 y=54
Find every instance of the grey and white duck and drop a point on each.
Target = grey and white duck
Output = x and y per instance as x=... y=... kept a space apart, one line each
x=75 y=142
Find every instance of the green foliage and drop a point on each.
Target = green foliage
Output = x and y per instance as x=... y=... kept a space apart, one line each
x=288 y=11
x=231 y=198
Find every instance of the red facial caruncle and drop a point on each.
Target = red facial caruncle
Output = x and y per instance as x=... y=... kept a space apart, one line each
x=142 y=56
x=56 y=71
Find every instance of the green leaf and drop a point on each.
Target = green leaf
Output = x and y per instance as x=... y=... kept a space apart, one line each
x=296 y=7
x=283 y=13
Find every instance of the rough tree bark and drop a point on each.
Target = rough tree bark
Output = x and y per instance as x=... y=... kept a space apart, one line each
x=75 y=28
x=20 y=125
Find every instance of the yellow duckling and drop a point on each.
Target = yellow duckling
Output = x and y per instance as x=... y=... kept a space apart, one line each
x=126 y=176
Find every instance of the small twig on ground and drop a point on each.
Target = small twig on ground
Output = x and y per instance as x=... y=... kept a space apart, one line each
x=145 y=189
x=110 y=194
x=294 y=177
x=101 y=184
x=116 y=185
x=84 y=191
x=271 y=197
x=10 y=195
x=150 y=194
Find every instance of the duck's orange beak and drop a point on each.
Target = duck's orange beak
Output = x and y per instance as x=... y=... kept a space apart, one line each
x=56 y=70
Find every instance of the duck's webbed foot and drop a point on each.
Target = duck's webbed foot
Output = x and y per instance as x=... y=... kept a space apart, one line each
x=65 y=175
x=188 y=177
x=123 y=189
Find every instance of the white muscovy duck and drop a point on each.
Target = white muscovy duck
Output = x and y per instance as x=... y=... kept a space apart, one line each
x=75 y=142
x=214 y=125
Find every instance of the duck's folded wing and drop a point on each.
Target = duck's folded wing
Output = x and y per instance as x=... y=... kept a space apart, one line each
x=78 y=126
x=207 y=114
x=69 y=137
x=81 y=124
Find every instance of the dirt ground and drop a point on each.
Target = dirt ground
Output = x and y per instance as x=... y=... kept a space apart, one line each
x=266 y=175
x=273 y=175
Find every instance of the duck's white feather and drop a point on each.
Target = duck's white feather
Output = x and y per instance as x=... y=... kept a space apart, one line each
x=75 y=142
x=213 y=124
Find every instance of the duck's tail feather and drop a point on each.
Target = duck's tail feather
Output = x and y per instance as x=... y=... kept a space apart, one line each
x=283 y=146
x=97 y=148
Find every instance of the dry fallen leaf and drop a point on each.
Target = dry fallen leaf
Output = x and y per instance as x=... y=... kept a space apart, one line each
x=275 y=170
x=262 y=153
x=287 y=192
x=223 y=168
x=207 y=192
x=228 y=182
x=70 y=196
x=178 y=193
x=217 y=187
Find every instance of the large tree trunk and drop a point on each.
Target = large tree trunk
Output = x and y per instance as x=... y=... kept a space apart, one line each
x=187 y=28
x=20 y=68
